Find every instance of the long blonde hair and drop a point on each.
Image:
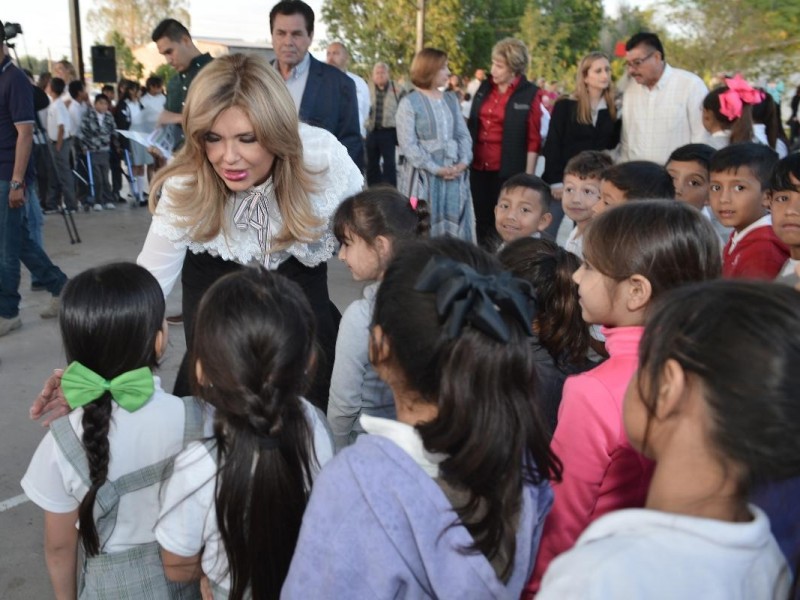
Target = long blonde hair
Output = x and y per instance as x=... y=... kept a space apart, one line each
x=582 y=92
x=249 y=83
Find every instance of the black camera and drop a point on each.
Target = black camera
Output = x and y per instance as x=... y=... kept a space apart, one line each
x=10 y=31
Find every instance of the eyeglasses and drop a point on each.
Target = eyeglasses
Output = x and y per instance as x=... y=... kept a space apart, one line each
x=637 y=62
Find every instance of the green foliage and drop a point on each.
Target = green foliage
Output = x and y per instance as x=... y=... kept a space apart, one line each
x=33 y=64
x=126 y=62
x=756 y=37
x=378 y=30
x=559 y=33
x=166 y=73
x=135 y=19
x=486 y=23
x=382 y=30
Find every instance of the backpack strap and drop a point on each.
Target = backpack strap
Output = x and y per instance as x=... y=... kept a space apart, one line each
x=193 y=420
x=70 y=445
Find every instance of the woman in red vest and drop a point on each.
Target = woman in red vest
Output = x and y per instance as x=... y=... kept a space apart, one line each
x=505 y=123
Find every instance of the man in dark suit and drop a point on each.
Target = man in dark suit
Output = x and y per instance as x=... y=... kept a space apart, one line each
x=325 y=97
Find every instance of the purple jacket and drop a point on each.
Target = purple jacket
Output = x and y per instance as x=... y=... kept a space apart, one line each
x=377 y=526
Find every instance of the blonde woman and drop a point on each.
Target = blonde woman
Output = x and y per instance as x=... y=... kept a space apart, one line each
x=250 y=185
x=505 y=121
x=587 y=121
x=435 y=147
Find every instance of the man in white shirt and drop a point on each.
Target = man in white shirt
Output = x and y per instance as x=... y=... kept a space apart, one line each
x=662 y=107
x=339 y=57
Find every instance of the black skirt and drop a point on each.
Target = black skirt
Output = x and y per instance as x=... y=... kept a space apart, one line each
x=200 y=271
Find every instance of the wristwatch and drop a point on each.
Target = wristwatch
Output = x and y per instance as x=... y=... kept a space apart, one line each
x=16 y=185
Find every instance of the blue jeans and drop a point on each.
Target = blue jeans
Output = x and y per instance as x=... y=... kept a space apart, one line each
x=16 y=245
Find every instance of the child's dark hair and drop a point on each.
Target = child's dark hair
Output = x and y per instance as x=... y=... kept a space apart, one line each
x=667 y=242
x=589 y=164
x=549 y=268
x=487 y=423
x=102 y=98
x=742 y=342
x=532 y=182
x=699 y=153
x=254 y=343
x=641 y=180
x=75 y=87
x=784 y=169
x=153 y=81
x=109 y=319
x=741 y=127
x=760 y=159
x=381 y=210
x=766 y=112
x=57 y=85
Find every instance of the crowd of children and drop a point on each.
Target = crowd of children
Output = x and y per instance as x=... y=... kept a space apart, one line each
x=86 y=147
x=610 y=414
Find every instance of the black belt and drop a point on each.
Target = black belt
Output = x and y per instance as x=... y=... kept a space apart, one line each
x=385 y=129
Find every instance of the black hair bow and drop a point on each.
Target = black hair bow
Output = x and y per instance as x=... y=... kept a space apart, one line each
x=465 y=296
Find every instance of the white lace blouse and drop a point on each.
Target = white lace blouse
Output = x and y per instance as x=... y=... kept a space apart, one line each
x=252 y=217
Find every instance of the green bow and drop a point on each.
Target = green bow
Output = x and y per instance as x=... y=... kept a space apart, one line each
x=130 y=390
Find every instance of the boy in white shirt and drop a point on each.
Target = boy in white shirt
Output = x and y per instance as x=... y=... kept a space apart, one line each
x=581 y=179
x=59 y=132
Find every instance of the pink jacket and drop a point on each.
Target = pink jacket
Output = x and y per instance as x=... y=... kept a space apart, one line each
x=602 y=471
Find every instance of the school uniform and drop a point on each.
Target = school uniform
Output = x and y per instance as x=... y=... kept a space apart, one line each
x=648 y=554
x=387 y=529
x=188 y=521
x=142 y=445
x=755 y=252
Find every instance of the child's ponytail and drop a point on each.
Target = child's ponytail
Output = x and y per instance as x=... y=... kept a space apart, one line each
x=487 y=423
x=254 y=351
x=559 y=325
x=109 y=318
x=382 y=210
x=96 y=421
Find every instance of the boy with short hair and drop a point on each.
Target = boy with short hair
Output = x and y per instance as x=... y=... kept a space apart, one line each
x=523 y=208
x=581 y=192
x=97 y=127
x=688 y=167
x=59 y=133
x=785 y=208
x=739 y=194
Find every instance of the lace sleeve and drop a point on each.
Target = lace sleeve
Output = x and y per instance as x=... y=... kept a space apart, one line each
x=336 y=177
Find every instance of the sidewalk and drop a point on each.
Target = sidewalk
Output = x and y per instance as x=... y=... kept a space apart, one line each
x=30 y=353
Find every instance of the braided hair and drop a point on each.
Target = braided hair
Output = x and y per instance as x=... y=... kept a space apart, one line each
x=254 y=344
x=109 y=319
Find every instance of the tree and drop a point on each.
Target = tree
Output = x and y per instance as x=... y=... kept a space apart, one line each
x=382 y=30
x=752 y=36
x=135 y=19
x=33 y=64
x=559 y=33
x=486 y=23
x=126 y=62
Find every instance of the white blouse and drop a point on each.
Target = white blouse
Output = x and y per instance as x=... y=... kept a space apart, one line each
x=252 y=218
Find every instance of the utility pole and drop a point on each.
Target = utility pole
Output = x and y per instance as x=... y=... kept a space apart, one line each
x=77 y=44
x=420 y=24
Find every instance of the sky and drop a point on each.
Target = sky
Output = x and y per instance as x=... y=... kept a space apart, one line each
x=45 y=23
